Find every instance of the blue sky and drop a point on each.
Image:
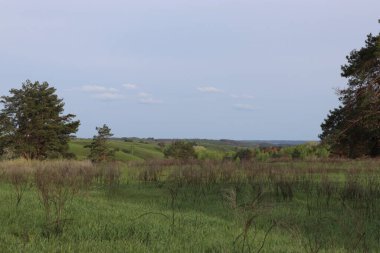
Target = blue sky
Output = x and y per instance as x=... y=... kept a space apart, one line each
x=237 y=69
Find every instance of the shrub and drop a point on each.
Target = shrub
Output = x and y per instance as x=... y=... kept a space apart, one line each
x=206 y=154
x=181 y=150
x=244 y=154
x=262 y=156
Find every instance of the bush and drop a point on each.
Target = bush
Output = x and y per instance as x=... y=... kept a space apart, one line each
x=205 y=154
x=181 y=150
x=244 y=154
x=263 y=157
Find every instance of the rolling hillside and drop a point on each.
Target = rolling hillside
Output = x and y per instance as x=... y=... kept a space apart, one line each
x=135 y=149
x=125 y=151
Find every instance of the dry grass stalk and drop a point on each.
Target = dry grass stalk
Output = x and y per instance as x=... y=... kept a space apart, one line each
x=57 y=182
x=18 y=174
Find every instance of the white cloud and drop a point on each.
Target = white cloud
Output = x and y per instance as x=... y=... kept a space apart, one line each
x=97 y=88
x=109 y=93
x=150 y=100
x=244 y=107
x=102 y=92
x=209 y=89
x=130 y=86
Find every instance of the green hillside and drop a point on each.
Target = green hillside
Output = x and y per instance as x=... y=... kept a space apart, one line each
x=135 y=149
x=125 y=151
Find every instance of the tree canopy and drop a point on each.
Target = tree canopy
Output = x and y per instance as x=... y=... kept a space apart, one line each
x=32 y=123
x=353 y=129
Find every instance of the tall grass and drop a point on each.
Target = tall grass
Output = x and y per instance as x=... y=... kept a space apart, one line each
x=198 y=206
x=57 y=182
x=19 y=174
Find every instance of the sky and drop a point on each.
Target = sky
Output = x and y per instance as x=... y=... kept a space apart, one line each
x=232 y=69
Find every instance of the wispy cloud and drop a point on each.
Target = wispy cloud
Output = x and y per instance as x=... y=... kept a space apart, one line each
x=209 y=89
x=244 y=107
x=102 y=92
x=130 y=86
x=97 y=88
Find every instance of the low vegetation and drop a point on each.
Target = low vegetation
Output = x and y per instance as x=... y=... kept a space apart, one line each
x=197 y=206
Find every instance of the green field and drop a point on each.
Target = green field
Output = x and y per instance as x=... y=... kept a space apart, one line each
x=167 y=206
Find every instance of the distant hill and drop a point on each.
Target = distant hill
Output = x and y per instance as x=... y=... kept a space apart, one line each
x=138 y=149
x=125 y=150
x=279 y=143
x=225 y=144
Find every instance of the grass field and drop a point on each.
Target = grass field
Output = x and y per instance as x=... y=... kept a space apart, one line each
x=166 y=206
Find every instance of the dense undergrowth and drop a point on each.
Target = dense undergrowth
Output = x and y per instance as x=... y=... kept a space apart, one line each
x=197 y=206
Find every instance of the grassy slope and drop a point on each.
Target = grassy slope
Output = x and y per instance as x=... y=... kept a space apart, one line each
x=126 y=151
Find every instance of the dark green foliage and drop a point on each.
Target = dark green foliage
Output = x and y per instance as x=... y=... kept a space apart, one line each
x=244 y=154
x=353 y=129
x=296 y=154
x=181 y=150
x=161 y=145
x=32 y=124
x=99 y=150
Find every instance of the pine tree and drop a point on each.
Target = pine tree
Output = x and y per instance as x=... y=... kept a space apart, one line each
x=32 y=124
x=99 y=150
x=353 y=129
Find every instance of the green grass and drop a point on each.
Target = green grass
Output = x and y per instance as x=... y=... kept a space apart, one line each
x=79 y=150
x=104 y=224
x=138 y=217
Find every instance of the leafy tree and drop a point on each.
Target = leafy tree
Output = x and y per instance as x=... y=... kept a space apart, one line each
x=181 y=150
x=99 y=150
x=353 y=129
x=32 y=124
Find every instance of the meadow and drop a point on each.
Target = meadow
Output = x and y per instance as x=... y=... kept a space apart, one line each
x=164 y=205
